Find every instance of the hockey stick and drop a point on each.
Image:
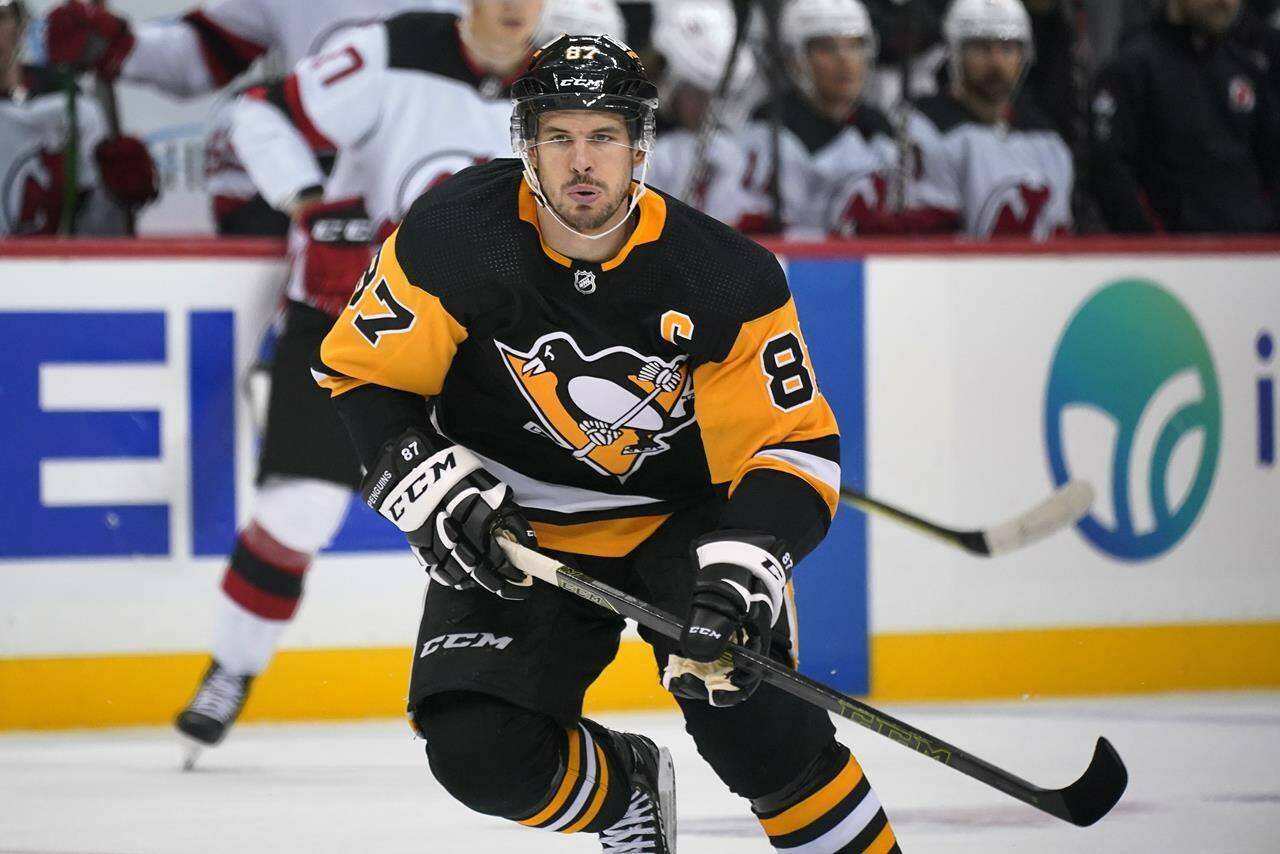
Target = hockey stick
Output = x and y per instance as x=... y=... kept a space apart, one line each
x=1082 y=803
x=711 y=118
x=1060 y=510
x=70 y=156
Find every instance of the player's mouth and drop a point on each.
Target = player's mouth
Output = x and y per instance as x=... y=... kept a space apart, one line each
x=583 y=194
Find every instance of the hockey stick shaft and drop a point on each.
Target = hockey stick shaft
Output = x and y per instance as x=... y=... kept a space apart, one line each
x=1081 y=803
x=70 y=156
x=701 y=164
x=1063 y=508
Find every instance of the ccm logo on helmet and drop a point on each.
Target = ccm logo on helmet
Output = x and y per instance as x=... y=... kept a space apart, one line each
x=464 y=640
x=593 y=83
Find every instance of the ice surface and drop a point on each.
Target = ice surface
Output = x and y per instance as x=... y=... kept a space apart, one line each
x=1203 y=778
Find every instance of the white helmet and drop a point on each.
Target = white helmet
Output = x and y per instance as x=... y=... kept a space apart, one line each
x=804 y=20
x=1000 y=20
x=580 y=18
x=695 y=38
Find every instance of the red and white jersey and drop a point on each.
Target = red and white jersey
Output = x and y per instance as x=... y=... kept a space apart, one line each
x=404 y=108
x=719 y=191
x=833 y=177
x=229 y=35
x=33 y=134
x=985 y=179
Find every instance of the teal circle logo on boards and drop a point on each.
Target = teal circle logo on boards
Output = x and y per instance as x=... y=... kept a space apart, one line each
x=1133 y=407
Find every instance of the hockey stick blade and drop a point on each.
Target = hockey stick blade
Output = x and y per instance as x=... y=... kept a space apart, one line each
x=1082 y=803
x=1063 y=508
x=1060 y=510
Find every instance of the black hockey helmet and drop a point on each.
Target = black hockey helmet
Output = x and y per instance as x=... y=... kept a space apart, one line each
x=584 y=73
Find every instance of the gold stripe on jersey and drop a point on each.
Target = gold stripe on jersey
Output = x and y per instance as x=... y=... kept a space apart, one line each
x=816 y=805
x=395 y=334
x=762 y=394
x=597 y=800
x=842 y=817
x=653 y=218
x=573 y=767
x=605 y=538
x=582 y=789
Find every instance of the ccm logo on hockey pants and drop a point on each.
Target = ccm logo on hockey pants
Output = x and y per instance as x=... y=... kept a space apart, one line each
x=464 y=640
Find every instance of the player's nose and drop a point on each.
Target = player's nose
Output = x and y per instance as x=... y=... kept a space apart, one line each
x=581 y=159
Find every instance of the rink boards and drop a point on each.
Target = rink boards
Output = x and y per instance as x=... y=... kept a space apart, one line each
x=967 y=383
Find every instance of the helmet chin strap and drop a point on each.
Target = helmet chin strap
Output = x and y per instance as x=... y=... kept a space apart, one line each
x=531 y=176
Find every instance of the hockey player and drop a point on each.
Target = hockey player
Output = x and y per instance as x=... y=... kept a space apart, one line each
x=989 y=162
x=203 y=51
x=34 y=130
x=694 y=38
x=837 y=152
x=405 y=103
x=623 y=380
x=600 y=17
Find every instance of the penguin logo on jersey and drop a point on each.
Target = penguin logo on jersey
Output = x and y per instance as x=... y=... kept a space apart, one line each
x=611 y=410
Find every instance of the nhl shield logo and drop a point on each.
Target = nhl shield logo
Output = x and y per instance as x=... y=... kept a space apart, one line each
x=584 y=281
x=611 y=409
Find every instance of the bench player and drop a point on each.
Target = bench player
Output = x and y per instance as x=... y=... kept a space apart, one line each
x=622 y=379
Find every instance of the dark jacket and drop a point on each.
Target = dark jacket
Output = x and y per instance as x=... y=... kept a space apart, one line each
x=1185 y=137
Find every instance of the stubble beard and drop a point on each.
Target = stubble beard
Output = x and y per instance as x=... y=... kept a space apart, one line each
x=589 y=221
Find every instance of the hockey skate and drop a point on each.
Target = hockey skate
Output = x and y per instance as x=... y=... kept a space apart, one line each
x=649 y=825
x=216 y=705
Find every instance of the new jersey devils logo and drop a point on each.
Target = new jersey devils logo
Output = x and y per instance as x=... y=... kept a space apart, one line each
x=1015 y=208
x=32 y=193
x=429 y=171
x=611 y=410
x=859 y=197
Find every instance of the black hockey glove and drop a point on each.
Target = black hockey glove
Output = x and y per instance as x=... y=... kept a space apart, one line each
x=450 y=509
x=739 y=595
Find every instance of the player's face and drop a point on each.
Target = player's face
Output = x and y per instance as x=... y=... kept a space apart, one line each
x=1209 y=16
x=839 y=67
x=506 y=22
x=689 y=106
x=584 y=161
x=991 y=68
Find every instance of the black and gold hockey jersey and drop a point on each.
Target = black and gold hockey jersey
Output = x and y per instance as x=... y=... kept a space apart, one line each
x=606 y=395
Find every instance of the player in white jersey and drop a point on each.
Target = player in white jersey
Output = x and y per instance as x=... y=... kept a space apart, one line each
x=224 y=39
x=594 y=17
x=34 y=126
x=989 y=162
x=405 y=103
x=836 y=151
x=694 y=38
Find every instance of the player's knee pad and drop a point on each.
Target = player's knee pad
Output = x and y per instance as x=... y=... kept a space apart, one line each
x=302 y=514
x=829 y=806
x=495 y=757
x=762 y=744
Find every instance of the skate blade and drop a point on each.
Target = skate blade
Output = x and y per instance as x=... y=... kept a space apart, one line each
x=667 y=796
x=191 y=751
